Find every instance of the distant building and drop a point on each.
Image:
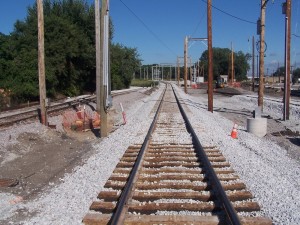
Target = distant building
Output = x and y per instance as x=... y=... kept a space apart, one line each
x=224 y=78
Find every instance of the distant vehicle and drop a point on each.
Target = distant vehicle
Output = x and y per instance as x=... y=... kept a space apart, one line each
x=220 y=82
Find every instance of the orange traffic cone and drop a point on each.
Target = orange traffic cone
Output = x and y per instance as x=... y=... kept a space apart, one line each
x=234 y=131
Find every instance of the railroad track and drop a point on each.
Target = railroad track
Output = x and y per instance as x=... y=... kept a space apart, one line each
x=172 y=179
x=294 y=102
x=8 y=118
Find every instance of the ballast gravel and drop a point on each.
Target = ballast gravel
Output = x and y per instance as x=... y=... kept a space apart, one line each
x=269 y=172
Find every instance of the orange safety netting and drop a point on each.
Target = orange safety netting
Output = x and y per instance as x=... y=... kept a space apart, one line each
x=81 y=120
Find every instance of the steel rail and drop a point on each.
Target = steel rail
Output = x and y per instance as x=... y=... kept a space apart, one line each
x=121 y=207
x=33 y=111
x=295 y=102
x=212 y=177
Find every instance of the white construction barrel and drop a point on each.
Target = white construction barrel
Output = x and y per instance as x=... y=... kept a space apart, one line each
x=257 y=126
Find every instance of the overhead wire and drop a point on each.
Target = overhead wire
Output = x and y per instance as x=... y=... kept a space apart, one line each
x=145 y=25
x=296 y=25
x=228 y=14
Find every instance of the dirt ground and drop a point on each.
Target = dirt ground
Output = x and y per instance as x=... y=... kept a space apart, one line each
x=40 y=161
x=43 y=161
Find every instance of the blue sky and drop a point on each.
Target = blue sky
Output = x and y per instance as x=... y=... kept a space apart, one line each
x=157 y=28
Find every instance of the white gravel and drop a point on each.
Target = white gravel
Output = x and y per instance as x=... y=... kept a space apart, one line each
x=269 y=173
x=265 y=167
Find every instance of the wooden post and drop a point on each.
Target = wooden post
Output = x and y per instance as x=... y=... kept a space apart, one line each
x=287 y=80
x=178 y=71
x=185 y=64
x=261 y=54
x=232 y=65
x=210 y=57
x=41 y=62
x=288 y=57
x=253 y=63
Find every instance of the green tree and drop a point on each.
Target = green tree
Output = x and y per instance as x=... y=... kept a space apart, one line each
x=221 y=63
x=69 y=52
x=124 y=62
x=296 y=75
x=280 y=72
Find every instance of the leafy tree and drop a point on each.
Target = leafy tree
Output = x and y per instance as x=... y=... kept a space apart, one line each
x=296 y=75
x=125 y=61
x=221 y=63
x=69 y=52
x=280 y=72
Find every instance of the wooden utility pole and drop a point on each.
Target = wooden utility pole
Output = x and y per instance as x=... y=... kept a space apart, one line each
x=210 y=57
x=287 y=80
x=253 y=62
x=261 y=54
x=232 y=65
x=185 y=64
x=41 y=62
x=103 y=113
x=98 y=55
x=178 y=71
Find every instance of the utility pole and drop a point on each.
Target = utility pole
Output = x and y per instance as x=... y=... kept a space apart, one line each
x=253 y=63
x=98 y=56
x=287 y=63
x=103 y=113
x=261 y=54
x=185 y=64
x=232 y=65
x=210 y=57
x=190 y=70
x=178 y=71
x=41 y=62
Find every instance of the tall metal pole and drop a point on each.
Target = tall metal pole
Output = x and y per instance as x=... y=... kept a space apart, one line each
x=103 y=113
x=253 y=62
x=210 y=57
x=41 y=62
x=98 y=56
x=287 y=80
x=261 y=54
x=185 y=64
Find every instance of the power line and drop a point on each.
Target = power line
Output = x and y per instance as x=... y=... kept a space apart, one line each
x=145 y=25
x=228 y=14
x=296 y=35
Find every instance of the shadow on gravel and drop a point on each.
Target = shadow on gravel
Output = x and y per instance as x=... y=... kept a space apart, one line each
x=293 y=137
x=225 y=110
x=96 y=132
x=295 y=141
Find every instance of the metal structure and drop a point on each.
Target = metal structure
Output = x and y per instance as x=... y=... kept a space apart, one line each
x=186 y=40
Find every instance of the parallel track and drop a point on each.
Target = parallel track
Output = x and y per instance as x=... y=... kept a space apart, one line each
x=172 y=179
x=8 y=118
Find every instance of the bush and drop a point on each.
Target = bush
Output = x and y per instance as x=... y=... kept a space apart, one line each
x=144 y=83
